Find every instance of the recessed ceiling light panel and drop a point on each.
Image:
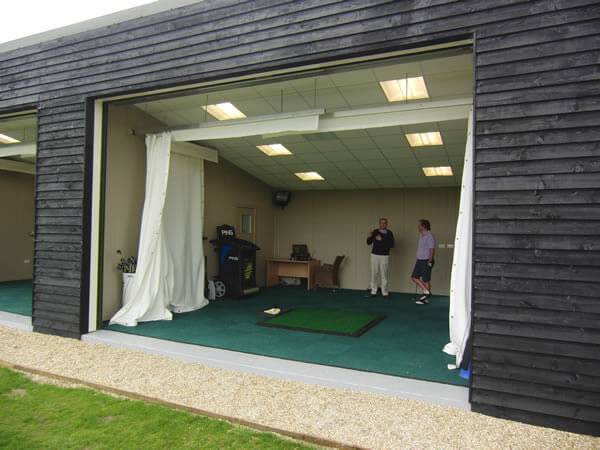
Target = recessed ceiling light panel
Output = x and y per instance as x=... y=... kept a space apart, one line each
x=224 y=111
x=274 y=150
x=423 y=139
x=7 y=139
x=404 y=89
x=309 y=176
x=443 y=171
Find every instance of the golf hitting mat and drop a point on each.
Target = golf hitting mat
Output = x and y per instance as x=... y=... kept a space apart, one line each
x=329 y=321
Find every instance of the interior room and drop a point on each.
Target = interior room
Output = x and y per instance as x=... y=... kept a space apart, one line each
x=17 y=173
x=367 y=169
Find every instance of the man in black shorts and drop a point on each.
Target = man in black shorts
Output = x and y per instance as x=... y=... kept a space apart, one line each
x=425 y=260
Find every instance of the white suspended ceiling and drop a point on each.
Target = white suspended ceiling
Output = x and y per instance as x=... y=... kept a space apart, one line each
x=375 y=156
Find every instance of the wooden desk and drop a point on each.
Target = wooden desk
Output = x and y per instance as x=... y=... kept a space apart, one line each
x=287 y=268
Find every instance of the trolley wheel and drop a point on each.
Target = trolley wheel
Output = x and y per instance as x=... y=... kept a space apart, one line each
x=220 y=289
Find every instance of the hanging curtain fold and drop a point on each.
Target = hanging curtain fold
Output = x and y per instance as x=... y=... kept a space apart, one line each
x=170 y=270
x=460 y=278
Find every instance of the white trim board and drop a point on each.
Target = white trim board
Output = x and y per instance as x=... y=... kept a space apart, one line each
x=321 y=375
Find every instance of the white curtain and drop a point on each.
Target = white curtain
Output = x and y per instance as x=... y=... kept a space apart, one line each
x=460 y=278
x=170 y=270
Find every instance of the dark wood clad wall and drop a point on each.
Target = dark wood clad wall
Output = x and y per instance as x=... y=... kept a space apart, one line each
x=536 y=354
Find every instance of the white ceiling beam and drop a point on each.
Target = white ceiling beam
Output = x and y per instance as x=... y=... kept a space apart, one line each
x=396 y=115
x=23 y=150
x=300 y=121
x=17 y=166
x=195 y=151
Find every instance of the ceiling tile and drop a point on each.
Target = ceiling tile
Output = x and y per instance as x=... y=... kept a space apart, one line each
x=349 y=165
x=383 y=173
x=376 y=164
x=312 y=157
x=339 y=156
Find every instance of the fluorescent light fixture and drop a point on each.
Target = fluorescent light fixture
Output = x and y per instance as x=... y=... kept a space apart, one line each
x=309 y=176
x=224 y=111
x=423 y=139
x=444 y=171
x=405 y=89
x=273 y=150
x=7 y=139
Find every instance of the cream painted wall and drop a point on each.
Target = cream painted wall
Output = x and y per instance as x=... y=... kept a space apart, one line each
x=337 y=222
x=16 y=225
x=226 y=188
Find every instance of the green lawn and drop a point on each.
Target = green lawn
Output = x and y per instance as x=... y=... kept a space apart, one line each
x=44 y=416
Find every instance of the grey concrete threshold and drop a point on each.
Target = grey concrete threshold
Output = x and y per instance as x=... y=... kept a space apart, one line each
x=425 y=391
x=19 y=321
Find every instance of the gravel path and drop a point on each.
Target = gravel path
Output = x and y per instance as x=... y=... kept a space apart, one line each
x=352 y=418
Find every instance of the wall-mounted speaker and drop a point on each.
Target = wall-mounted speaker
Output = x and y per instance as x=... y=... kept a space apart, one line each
x=282 y=198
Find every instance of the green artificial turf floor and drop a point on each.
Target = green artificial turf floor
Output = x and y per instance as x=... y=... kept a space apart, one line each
x=408 y=343
x=15 y=297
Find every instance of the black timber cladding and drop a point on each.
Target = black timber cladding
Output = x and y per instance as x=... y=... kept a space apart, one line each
x=536 y=312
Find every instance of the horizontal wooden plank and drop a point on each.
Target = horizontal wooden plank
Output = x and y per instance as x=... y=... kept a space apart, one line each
x=538 y=138
x=55 y=146
x=532 y=124
x=540 y=15
x=64 y=294
x=569 y=380
x=535 y=390
x=537 y=316
x=62 y=134
x=537 y=271
x=537 y=227
x=537 y=109
x=535 y=301
x=538 y=167
x=548 y=64
x=550 y=212
x=76 y=166
x=59 y=177
x=56 y=332
x=61 y=127
x=55 y=326
x=42 y=204
x=544 y=420
x=46 y=313
x=550 y=181
x=551 y=78
x=69 y=310
x=56 y=272
x=541 y=197
x=542 y=406
x=577 y=27
x=60 y=212
x=67 y=186
x=534 y=345
x=58 y=254
x=59 y=195
x=535 y=51
x=537 y=256
x=536 y=286
x=520 y=241
x=539 y=361
x=535 y=94
x=54 y=218
x=72 y=264
x=559 y=333
x=44 y=237
x=59 y=299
